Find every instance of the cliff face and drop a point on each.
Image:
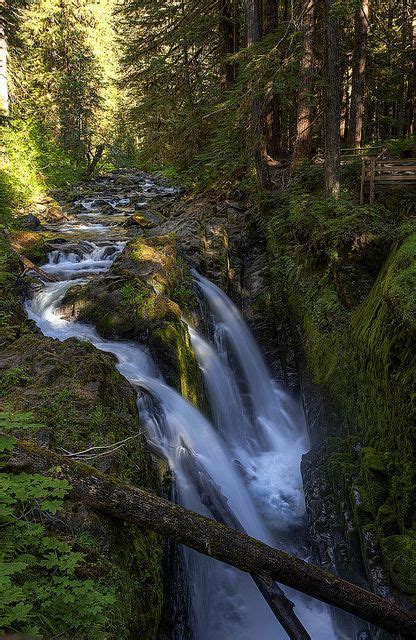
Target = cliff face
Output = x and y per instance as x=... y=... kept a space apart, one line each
x=341 y=279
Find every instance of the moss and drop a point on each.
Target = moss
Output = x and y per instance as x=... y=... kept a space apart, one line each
x=13 y=377
x=263 y=304
x=83 y=401
x=398 y=287
x=11 y=310
x=399 y=554
x=31 y=244
x=347 y=274
x=171 y=345
x=144 y=297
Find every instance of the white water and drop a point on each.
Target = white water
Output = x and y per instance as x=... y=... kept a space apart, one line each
x=252 y=451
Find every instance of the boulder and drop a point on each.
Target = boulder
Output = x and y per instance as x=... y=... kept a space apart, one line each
x=32 y=223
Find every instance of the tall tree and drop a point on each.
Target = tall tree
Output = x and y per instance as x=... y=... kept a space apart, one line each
x=272 y=107
x=332 y=101
x=305 y=103
x=4 y=89
x=229 y=27
x=358 y=75
x=10 y=14
x=253 y=37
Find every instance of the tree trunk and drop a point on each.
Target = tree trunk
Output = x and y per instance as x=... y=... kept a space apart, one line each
x=29 y=266
x=229 y=31
x=125 y=502
x=272 y=107
x=346 y=103
x=254 y=32
x=358 y=75
x=303 y=143
x=411 y=87
x=94 y=159
x=4 y=89
x=332 y=103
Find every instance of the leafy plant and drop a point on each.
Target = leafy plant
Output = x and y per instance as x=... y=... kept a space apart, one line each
x=41 y=592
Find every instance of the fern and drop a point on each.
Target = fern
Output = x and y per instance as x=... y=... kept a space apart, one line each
x=40 y=590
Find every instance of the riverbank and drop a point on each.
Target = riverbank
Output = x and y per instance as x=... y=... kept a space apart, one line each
x=342 y=277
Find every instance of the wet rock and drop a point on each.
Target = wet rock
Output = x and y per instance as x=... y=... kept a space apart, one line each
x=140 y=220
x=32 y=223
x=31 y=244
x=143 y=297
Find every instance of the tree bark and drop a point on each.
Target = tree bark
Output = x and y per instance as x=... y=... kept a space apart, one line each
x=358 y=75
x=332 y=103
x=411 y=89
x=4 y=88
x=229 y=30
x=30 y=266
x=125 y=502
x=94 y=159
x=303 y=144
x=272 y=107
x=254 y=33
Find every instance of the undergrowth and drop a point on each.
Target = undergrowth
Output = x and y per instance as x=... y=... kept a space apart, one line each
x=347 y=274
x=33 y=165
x=41 y=588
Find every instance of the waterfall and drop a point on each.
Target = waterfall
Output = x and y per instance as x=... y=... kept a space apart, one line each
x=251 y=449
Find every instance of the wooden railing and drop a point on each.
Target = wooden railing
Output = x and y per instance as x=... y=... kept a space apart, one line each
x=348 y=155
x=383 y=175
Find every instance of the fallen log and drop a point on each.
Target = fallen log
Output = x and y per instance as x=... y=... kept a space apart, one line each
x=30 y=266
x=237 y=549
x=211 y=496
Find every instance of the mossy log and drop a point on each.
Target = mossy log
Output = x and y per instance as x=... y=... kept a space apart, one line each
x=237 y=549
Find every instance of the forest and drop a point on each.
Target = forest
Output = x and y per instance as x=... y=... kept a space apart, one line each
x=207 y=319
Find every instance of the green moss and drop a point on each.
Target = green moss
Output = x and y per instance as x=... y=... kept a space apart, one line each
x=399 y=284
x=399 y=554
x=13 y=377
x=171 y=344
x=12 y=315
x=83 y=401
x=31 y=244
x=347 y=274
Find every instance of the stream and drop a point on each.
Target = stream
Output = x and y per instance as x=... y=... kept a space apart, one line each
x=251 y=446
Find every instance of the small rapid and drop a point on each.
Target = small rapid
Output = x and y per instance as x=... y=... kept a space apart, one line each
x=250 y=447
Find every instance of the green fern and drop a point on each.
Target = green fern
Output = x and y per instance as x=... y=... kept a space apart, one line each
x=41 y=592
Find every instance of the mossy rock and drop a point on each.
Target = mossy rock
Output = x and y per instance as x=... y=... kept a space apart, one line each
x=347 y=274
x=143 y=297
x=31 y=244
x=399 y=554
x=12 y=314
x=374 y=460
x=83 y=401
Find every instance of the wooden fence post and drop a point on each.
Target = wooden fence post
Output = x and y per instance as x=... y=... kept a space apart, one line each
x=362 y=181
x=372 y=176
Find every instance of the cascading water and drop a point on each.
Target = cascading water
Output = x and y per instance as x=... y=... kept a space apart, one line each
x=252 y=451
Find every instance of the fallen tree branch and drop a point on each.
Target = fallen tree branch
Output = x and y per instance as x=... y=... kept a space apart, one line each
x=30 y=266
x=99 y=450
x=237 y=549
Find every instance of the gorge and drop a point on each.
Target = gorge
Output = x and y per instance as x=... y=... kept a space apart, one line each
x=249 y=444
